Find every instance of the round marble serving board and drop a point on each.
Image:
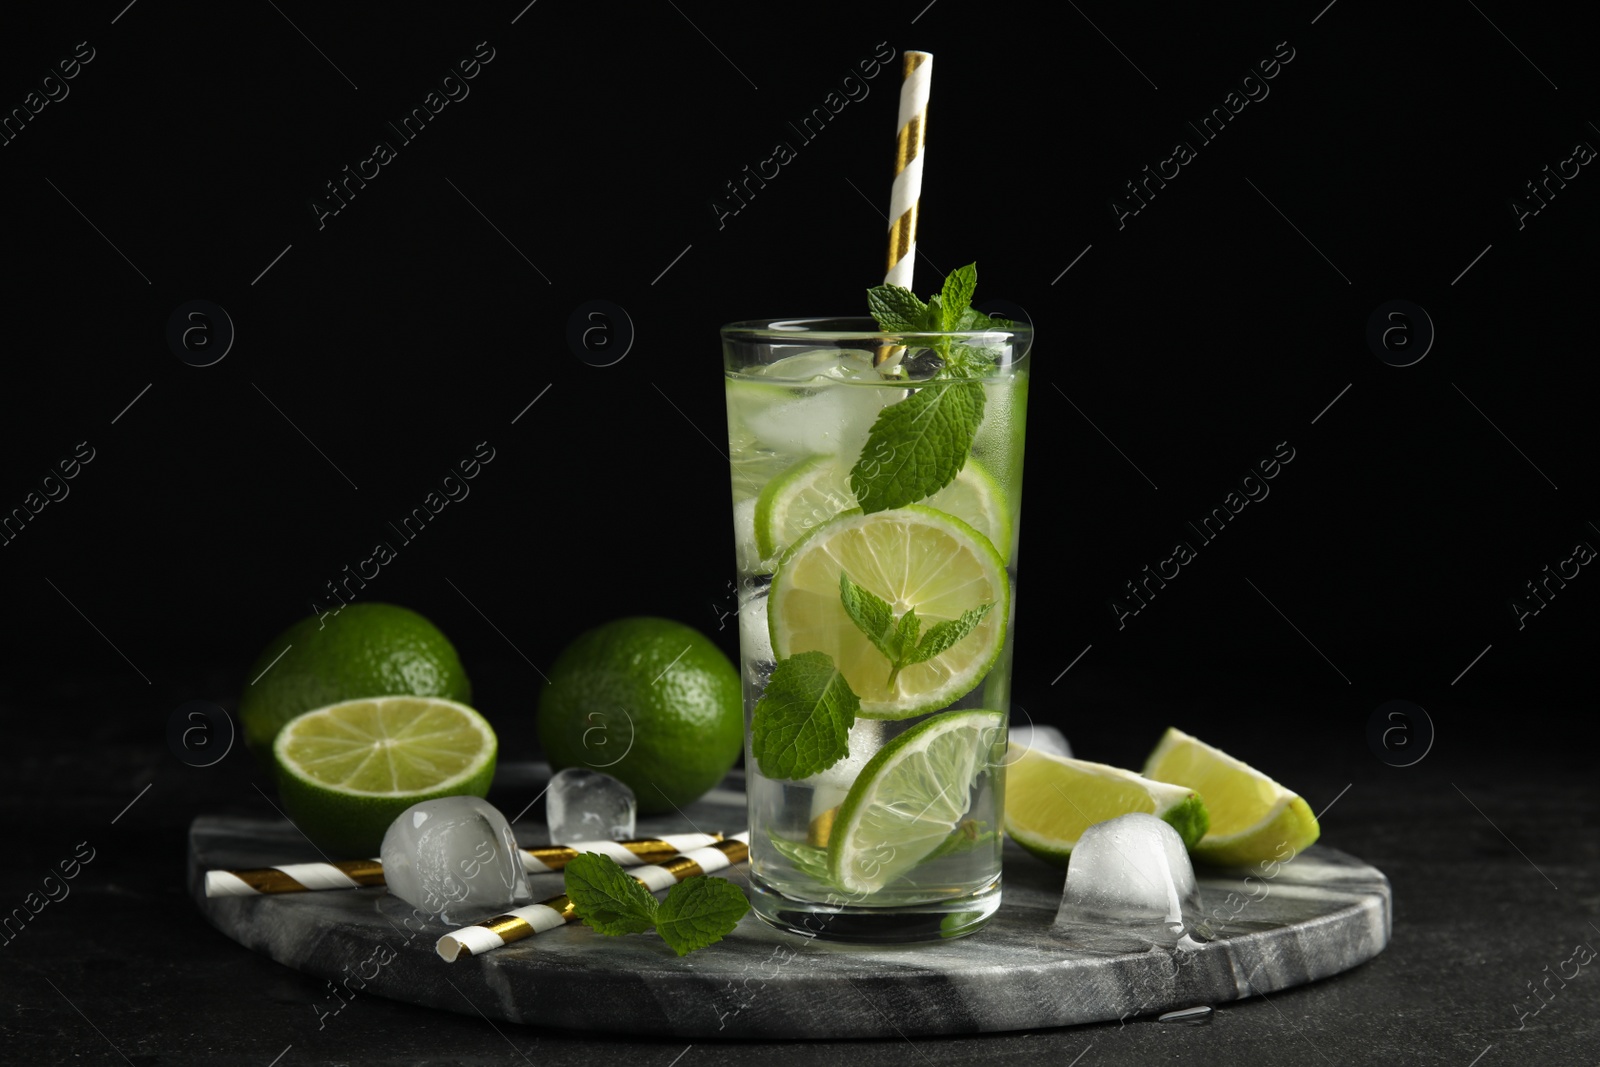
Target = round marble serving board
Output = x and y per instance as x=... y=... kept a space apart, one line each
x=1322 y=914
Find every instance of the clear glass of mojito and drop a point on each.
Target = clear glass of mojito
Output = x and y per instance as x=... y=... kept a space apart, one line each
x=877 y=482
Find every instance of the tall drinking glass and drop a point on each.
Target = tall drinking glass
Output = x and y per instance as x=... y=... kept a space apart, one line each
x=875 y=633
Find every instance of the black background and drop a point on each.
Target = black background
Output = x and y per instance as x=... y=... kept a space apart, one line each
x=1222 y=319
x=407 y=328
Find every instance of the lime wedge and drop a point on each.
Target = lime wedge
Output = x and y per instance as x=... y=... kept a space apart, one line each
x=910 y=797
x=910 y=557
x=1051 y=800
x=816 y=489
x=347 y=770
x=1253 y=818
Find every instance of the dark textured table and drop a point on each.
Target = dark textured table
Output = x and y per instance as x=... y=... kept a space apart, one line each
x=1494 y=876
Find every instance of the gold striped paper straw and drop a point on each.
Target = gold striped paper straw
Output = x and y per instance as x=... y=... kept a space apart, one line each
x=907 y=193
x=353 y=874
x=519 y=923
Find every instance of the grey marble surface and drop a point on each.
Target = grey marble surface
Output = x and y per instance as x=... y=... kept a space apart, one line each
x=1321 y=914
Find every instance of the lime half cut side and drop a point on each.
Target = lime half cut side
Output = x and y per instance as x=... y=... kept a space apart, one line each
x=815 y=490
x=910 y=557
x=910 y=797
x=347 y=770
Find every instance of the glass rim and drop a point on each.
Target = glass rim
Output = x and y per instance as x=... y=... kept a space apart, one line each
x=851 y=328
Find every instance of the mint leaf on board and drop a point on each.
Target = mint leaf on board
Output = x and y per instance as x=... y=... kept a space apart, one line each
x=918 y=445
x=699 y=912
x=802 y=722
x=896 y=310
x=957 y=295
x=872 y=617
x=942 y=635
x=607 y=898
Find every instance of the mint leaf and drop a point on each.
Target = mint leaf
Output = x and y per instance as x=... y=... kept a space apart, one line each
x=942 y=635
x=896 y=310
x=802 y=722
x=968 y=834
x=872 y=617
x=607 y=898
x=910 y=627
x=918 y=445
x=906 y=634
x=809 y=860
x=957 y=295
x=973 y=319
x=698 y=912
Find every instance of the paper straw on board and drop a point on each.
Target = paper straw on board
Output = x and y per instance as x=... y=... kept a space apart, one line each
x=519 y=923
x=353 y=874
x=907 y=192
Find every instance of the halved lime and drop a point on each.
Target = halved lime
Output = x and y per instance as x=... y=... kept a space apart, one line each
x=910 y=797
x=347 y=770
x=1253 y=818
x=1051 y=800
x=910 y=557
x=815 y=490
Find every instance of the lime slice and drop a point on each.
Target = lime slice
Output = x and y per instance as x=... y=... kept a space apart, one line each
x=910 y=797
x=816 y=489
x=911 y=557
x=1051 y=800
x=347 y=770
x=1253 y=818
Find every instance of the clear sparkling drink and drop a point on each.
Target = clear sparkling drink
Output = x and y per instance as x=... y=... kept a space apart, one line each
x=865 y=491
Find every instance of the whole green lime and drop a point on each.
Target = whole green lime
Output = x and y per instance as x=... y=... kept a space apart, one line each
x=366 y=650
x=648 y=701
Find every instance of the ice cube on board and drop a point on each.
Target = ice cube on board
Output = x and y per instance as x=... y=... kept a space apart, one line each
x=587 y=805
x=454 y=859
x=1131 y=871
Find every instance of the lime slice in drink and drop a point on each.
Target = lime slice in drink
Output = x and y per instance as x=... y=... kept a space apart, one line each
x=910 y=797
x=1253 y=818
x=347 y=770
x=816 y=489
x=1051 y=800
x=910 y=557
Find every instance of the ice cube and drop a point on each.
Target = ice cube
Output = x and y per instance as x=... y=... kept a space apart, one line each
x=455 y=859
x=585 y=805
x=835 y=420
x=755 y=640
x=744 y=537
x=829 y=787
x=1131 y=871
x=1040 y=739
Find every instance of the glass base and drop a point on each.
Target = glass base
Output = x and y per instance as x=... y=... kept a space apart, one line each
x=899 y=924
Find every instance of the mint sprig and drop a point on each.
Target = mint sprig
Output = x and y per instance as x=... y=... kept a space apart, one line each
x=919 y=445
x=697 y=912
x=801 y=724
x=901 y=641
